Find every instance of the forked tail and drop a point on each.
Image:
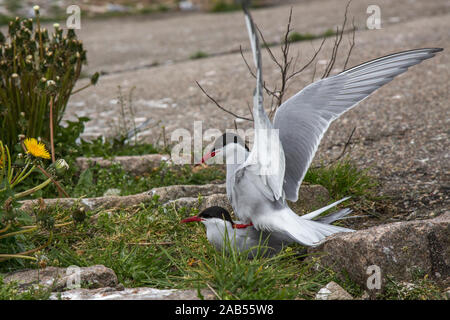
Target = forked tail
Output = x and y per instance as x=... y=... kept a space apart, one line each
x=305 y=231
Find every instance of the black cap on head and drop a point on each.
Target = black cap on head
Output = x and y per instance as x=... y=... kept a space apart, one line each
x=227 y=138
x=216 y=212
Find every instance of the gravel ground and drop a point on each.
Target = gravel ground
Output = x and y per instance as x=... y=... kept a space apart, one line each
x=401 y=131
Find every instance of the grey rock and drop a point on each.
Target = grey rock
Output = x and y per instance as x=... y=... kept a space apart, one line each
x=58 y=279
x=120 y=287
x=333 y=291
x=165 y=195
x=133 y=164
x=399 y=249
x=182 y=191
x=220 y=200
x=98 y=282
x=142 y=293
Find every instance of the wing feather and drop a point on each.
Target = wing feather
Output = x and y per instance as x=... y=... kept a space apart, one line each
x=304 y=118
x=266 y=161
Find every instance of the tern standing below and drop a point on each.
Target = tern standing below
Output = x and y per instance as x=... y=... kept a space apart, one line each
x=222 y=231
x=272 y=172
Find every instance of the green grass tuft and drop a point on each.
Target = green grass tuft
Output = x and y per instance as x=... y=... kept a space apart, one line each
x=295 y=36
x=198 y=55
x=222 y=6
x=342 y=179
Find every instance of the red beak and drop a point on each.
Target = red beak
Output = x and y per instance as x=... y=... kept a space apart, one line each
x=191 y=219
x=208 y=156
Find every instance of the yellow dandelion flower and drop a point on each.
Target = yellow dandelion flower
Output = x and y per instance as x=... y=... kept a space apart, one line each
x=36 y=148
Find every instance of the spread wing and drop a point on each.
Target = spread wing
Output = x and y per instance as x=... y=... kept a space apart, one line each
x=304 y=118
x=265 y=162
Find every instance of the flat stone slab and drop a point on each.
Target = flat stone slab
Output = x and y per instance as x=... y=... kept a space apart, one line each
x=97 y=276
x=395 y=250
x=165 y=194
x=142 y=293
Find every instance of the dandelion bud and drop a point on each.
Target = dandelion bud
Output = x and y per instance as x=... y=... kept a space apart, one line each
x=36 y=8
x=14 y=75
x=21 y=137
x=61 y=167
x=43 y=79
x=62 y=164
x=56 y=25
x=51 y=83
x=94 y=78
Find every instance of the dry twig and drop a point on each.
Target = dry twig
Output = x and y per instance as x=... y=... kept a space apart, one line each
x=287 y=65
x=219 y=106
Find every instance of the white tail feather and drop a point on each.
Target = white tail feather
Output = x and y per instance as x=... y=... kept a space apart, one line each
x=304 y=231
x=332 y=217
x=314 y=214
